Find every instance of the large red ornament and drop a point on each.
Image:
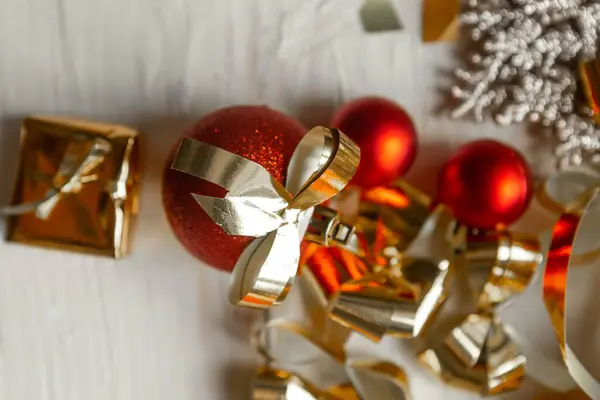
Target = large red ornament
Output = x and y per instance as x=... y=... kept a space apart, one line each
x=260 y=134
x=486 y=184
x=386 y=136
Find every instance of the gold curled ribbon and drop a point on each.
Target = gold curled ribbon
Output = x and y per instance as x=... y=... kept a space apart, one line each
x=257 y=205
x=505 y=260
x=377 y=379
x=82 y=156
x=585 y=179
x=555 y=286
x=375 y=288
x=481 y=353
x=478 y=355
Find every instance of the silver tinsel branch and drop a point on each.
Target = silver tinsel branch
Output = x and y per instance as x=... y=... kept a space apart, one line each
x=524 y=68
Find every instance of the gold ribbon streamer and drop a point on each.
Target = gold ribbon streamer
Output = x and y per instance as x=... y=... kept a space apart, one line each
x=394 y=294
x=389 y=380
x=257 y=205
x=82 y=156
x=556 y=283
x=580 y=180
x=480 y=353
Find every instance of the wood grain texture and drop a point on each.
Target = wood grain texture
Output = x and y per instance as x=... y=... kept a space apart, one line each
x=156 y=325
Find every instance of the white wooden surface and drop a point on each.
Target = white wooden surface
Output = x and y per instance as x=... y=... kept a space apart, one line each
x=156 y=325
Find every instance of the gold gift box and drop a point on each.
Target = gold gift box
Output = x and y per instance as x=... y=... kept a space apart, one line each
x=88 y=209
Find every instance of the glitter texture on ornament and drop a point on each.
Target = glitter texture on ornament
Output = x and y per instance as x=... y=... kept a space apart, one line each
x=524 y=68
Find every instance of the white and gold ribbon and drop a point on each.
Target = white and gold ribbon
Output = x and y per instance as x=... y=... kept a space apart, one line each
x=363 y=379
x=257 y=205
x=556 y=278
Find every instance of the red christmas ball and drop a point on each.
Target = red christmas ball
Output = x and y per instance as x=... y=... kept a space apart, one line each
x=386 y=136
x=259 y=134
x=486 y=184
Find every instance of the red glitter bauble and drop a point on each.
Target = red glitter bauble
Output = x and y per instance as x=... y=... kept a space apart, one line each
x=386 y=136
x=259 y=134
x=487 y=184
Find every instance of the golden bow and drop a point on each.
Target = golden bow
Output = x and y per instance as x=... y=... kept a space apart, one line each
x=82 y=156
x=381 y=289
x=257 y=205
x=398 y=278
x=387 y=381
x=480 y=352
x=556 y=283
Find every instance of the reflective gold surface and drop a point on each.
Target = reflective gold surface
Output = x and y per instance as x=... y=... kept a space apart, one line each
x=77 y=186
x=390 y=219
x=366 y=378
x=589 y=73
x=501 y=264
x=384 y=304
x=555 y=287
x=440 y=20
x=275 y=384
x=375 y=289
x=477 y=355
x=259 y=206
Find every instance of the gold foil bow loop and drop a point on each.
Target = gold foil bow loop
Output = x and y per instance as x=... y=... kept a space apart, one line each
x=382 y=305
x=404 y=292
x=556 y=278
x=259 y=206
x=500 y=265
x=478 y=355
x=360 y=379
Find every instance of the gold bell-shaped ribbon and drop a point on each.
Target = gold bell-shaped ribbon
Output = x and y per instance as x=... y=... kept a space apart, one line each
x=257 y=205
x=376 y=288
x=480 y=353
x=404 y=293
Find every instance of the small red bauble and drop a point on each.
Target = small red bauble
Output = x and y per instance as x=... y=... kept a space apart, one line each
x=259 y=134
x=386 y=136
x=486 y=184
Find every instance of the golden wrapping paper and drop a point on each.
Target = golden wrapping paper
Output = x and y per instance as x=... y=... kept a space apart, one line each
x=77 y=186
x=556 y=278
x=440 y=20
x=257 y=205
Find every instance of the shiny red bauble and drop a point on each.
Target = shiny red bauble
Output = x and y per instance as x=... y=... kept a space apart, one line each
x=386 y=136
x=259 y=134
x=487 y=184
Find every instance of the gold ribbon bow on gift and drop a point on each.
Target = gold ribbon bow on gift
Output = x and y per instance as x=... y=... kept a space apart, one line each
x=362 y=379
x=556 y=278
x=82 y=156
x=257 y=205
